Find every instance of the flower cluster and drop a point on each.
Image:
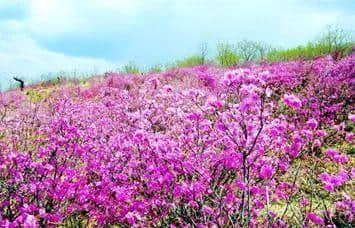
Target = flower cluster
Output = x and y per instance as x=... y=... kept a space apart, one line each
x=332 y=181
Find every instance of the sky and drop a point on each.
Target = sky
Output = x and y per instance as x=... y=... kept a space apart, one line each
x=94 y=36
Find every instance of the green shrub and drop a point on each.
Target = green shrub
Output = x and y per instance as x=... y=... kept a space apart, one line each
x=227 y=55
x=130 y=68
x=284 y=54
x=156 y=69
x=193 y=60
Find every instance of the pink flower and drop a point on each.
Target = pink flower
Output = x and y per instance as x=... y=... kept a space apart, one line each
x=336 y=156
x=330 y=181
x=168 y=88
x=343 y=175
x=304 y=201
x=30 y=222
x=312 y=123
x=321 y=133
x=130 y=218
x=194 y=116
x=136 y=149
x=352 y=173
x=207 y=210
x=294 y=149
x=329 y=187
x=341 y=159
x=317 y=143
x=352 y=117
x=331 y=152
x=266 y=171
x=155 y=83
x=248 y=102
x=324 y=176
x=221 y=126
x=308 y=134
x=241 y=185
x=292 y=101
x=350 y=137
x=232 y=160
x=216 y=103
x=193 y=204
x=315 y=218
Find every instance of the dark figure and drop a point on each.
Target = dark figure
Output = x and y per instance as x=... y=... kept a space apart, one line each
x=352 y=50
x=22 y=83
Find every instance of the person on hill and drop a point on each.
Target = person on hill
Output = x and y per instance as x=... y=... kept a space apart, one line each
x=22 y=83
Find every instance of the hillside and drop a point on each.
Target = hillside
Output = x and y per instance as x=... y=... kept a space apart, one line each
x=259 y=145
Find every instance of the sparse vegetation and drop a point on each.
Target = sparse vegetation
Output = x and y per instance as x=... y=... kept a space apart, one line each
x=227 y=55
x=249 y=50
x=130 y=68
x=334 y=41
x=156 y=69
x=194 y=60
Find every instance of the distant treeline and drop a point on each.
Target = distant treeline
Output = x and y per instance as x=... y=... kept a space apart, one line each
x=334 y=41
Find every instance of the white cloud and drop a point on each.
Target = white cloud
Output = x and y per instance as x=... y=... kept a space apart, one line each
x=52 y=17
x=57 y=17
x=21 y=56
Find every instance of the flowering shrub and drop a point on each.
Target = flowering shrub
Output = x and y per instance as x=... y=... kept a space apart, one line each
x=262 y=145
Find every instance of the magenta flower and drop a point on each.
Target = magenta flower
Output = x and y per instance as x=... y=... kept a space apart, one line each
x=292 y=101
x=304 y=201
x=266 y=171
x=30 y=222
x=350 y=137
x=130 y=218
x=312 y=123
x=331 y=181
x=352 y=117
x=315 y=218
x=317 y=143
x=330 y=152
x=208 y=210
x=335 y=156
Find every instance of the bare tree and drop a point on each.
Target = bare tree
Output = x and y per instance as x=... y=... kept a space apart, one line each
x=250 y=50
x=334 y=38
x=203 y=51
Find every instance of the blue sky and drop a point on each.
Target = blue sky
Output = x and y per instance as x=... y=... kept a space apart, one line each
x=41 y=36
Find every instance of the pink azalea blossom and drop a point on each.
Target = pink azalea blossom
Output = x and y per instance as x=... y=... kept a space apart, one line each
x=292 y=101
x=315 y=219
x=312 y=123
x=266 y=171
x=352 y=117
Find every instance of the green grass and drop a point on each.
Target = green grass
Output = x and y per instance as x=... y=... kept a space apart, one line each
x=193 y=60
x=130 y=68
x=156 y=69
x=308 y=51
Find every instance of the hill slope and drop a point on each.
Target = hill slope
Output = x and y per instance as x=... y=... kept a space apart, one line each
x=268 y=144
